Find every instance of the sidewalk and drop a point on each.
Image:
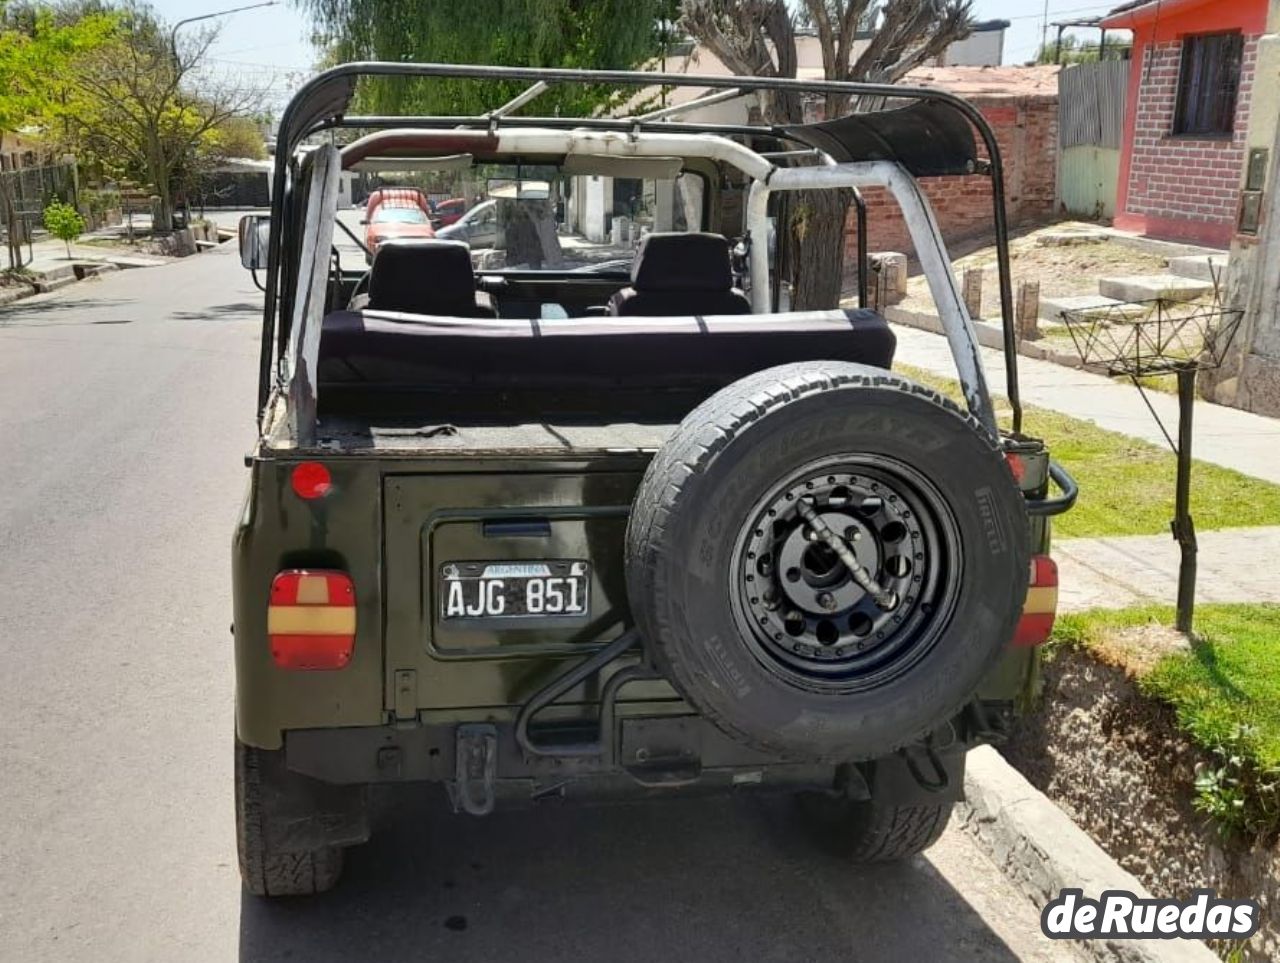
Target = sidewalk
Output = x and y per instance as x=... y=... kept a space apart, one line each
x=49 y=256
x=1226 y=436
x=1233 y=565
x=50 y=268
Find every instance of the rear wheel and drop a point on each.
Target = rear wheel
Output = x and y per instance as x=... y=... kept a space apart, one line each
x=873 y=832
x=266 y=867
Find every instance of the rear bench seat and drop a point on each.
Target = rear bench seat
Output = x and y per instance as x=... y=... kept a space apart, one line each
x=386 y=349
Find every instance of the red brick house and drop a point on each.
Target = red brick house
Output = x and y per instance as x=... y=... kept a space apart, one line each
x=1188 y=110
x=1021 y=105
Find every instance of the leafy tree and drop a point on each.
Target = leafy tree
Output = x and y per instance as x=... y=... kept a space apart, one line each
x=605 y=34
x=135 y=106
x=64 y=222
x=758 y=38
x=36 y=46
x=1069 y=51
x=235 y=138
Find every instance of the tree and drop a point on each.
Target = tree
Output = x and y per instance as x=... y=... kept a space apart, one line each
x=612 y=34
x=136 y=106
x=36 y=45
x=1069 y=50
x=758 y=38
x=64 y=222
x=237 y=138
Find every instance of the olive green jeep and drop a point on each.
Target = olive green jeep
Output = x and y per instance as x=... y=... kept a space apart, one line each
x=578 y=508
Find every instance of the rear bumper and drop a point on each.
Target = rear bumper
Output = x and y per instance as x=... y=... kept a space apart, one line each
x=654 y=755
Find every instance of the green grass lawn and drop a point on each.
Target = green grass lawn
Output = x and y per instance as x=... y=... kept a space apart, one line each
x=1225 y=691
x=1126 y=484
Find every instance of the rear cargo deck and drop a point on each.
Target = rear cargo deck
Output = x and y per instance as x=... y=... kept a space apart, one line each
x=419 y=437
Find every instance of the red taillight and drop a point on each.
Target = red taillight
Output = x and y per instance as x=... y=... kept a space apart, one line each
x=311 y=480
x=311 y=619
x=1016 y=465
x=1041 y=605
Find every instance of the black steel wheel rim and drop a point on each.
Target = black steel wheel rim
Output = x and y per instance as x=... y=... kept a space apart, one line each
x=798 y=607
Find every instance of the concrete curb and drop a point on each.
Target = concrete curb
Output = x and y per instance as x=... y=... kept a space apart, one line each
x=55 y=278
x=52 y=282
x=10 y=294
x=989 y=336
x=1041 y=851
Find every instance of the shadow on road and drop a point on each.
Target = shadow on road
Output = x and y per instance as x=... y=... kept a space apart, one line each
x=13 y=315
x=216 y=312
x=706 y=880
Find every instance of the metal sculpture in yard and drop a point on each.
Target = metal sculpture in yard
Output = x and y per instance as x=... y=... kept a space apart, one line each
x=1144 y=339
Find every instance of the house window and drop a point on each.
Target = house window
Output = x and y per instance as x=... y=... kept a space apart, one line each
x=1208 y=84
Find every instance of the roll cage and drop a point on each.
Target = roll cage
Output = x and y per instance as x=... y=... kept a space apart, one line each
x=888 y=148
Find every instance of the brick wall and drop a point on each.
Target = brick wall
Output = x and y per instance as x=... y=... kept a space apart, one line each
x=1181 y=178
x=1026 y=129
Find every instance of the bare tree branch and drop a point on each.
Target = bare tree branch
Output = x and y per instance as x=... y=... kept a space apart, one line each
x=757 y=38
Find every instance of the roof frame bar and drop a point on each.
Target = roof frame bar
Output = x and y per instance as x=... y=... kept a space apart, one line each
x=531 y=93
x=707 y=100
x=323 y=101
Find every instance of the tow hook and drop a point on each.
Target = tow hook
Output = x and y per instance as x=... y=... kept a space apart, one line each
x=475 y=767
x=881 y=596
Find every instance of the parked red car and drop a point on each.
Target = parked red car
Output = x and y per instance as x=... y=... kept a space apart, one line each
x=396 y=212
x=448 y=212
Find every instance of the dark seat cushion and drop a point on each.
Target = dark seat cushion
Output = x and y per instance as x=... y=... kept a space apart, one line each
x=397 y=350
x=680 y=273
x=425 y=276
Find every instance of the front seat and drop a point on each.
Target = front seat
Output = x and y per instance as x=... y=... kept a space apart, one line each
x=425 y=276
x=679 y=274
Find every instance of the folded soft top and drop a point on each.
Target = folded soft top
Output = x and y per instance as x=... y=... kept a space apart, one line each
x=388 y=349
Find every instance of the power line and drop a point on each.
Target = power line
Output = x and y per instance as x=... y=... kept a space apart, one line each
x=1059 y=13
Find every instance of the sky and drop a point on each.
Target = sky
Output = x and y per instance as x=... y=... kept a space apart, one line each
x=272 y=47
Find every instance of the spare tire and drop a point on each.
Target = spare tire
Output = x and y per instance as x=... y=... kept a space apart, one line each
x=750 y=610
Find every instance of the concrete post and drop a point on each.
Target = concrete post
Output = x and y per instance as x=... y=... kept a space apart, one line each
x=1028 y=310
x=973 y=292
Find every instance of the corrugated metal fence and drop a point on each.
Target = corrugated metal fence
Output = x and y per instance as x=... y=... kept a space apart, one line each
x=1091 y=108
x=1091 y=103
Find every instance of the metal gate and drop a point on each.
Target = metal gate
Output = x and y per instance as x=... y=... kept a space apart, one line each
x=33 y=188
x=1091 y=107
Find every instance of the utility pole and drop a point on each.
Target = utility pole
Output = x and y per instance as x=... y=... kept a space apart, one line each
x=177 y=76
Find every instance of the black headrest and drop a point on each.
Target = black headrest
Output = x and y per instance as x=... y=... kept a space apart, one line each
x=424 y=276
x=682 y=262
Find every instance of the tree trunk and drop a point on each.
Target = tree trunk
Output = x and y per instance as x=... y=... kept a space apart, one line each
x=10 y=216
x=165 y=194
x=10 y=223
x=160 y=180
x=817 y=254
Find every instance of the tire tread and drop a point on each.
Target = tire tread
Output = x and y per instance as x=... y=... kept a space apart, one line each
x=720 y=419
x=264 y=870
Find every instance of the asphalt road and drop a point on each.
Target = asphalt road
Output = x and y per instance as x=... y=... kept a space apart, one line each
x=126 y=404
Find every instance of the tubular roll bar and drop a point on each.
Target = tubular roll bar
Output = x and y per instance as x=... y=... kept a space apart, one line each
x=322 y=102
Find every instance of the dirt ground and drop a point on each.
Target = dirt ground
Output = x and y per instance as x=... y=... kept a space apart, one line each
x=1114 y=761
x=1064 y=269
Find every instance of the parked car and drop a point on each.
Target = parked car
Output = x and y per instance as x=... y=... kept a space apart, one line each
x=396 y=212
x=448 y=212
x=478 y=226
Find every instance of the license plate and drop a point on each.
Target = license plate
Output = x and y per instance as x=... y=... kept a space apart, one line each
x=506 y=590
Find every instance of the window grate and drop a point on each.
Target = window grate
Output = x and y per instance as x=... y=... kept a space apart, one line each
x=1208 y=84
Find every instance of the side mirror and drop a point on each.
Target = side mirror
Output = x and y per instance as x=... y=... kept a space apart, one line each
x=255 y=236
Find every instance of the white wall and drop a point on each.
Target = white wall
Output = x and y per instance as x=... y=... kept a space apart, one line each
x=985 y=49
